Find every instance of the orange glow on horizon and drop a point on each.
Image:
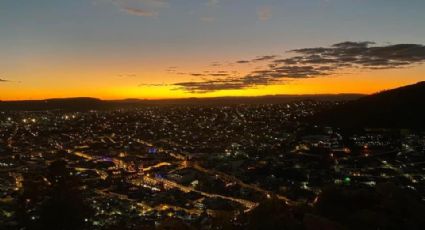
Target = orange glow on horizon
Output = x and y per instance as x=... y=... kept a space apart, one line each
x=113 y=87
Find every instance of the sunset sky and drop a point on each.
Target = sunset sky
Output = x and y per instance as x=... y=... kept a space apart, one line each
x=114 y=49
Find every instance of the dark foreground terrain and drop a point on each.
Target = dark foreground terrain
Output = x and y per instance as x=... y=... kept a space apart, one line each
x=187 y=166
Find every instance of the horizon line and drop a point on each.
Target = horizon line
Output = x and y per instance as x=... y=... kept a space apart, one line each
x=185 y=98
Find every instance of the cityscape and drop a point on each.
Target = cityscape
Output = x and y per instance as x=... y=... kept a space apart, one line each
x=201 y=167
x=212 y=115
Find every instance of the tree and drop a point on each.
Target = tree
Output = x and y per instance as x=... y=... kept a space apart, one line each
x=57 y=201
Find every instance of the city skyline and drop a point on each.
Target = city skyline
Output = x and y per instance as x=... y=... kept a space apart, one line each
x=154 y=49
x=212 y=114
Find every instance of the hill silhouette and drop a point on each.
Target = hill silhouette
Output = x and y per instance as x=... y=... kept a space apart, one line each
x=402 y=107
x=86 y=103
x=81 y=103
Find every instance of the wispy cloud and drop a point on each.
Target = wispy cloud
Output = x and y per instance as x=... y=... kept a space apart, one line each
x=258 y=59
x=149 y=8
x=361 y=55
x=208 y=73
x=243 y=61
x=264 y=13
x=153 y=85
x=312 y=63
x=3 y=80
x=139 y=11
x=143 y=8
x=265 y=58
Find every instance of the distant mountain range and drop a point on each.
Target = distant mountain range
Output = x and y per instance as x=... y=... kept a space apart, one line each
x=84 y=103
x=402 y=107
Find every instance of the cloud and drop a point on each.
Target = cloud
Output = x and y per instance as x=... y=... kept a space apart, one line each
x=143 y=8
x=265 y=58
x=219 y=74
x=312 y=63
x=264 y=13
x=197 y=74
x=139 y=11
x=3 y=80
x=362 y=55
x=208 y=74
x=153 y=85
x=210 y=85
x=258 y=59
x=243 y=61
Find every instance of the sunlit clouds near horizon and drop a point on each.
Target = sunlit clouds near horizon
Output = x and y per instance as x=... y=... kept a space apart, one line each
x=116 y=49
